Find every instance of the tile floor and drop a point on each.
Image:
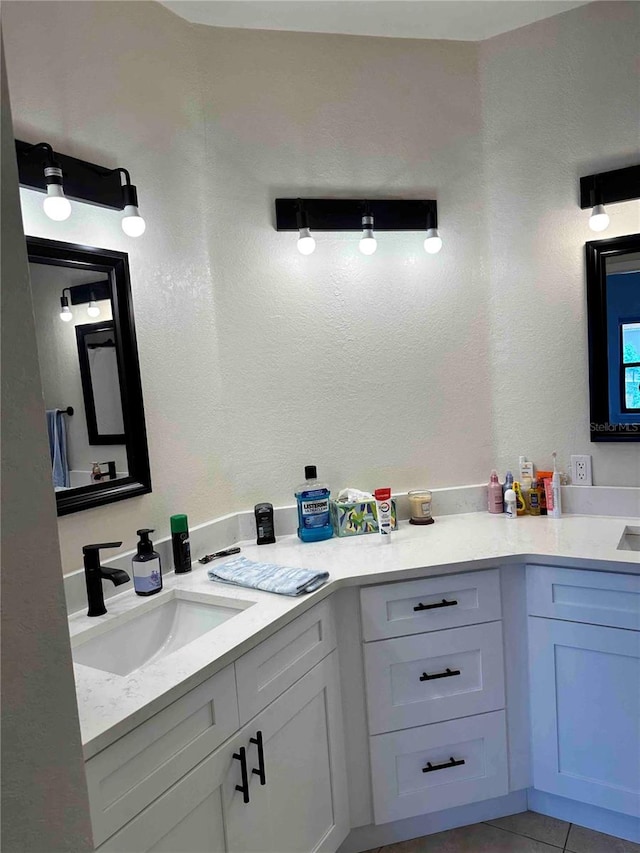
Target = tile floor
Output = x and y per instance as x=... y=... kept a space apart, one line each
x=521 y=833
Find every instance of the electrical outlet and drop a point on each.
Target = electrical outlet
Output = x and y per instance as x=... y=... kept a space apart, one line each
x=581 y=470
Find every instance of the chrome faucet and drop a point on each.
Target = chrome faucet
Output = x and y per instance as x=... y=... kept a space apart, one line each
x=94 y=573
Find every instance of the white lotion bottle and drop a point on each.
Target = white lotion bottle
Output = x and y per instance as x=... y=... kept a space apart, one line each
x=510 y=504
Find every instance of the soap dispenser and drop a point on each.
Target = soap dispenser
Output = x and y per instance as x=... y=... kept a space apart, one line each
x=147 y=571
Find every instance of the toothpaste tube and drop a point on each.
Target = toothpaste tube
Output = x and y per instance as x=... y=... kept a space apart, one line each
x=383 y=509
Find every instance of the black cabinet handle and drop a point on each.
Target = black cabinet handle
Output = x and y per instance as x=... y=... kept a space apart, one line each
x=446 y=674
x=260 y=771
x=450 y=763
x=241 y=756
x=443 y=603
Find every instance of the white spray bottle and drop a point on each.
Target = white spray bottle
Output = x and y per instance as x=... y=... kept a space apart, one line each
x=556 y=510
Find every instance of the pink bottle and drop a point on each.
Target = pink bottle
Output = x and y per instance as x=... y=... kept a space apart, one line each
x=494 y=493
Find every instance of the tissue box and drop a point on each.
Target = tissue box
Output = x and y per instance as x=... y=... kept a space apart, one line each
x=352 y=519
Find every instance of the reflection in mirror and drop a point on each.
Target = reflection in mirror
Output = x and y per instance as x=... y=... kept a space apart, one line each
x=90 y=375
x=100 y=382
x=65 y=367
x=613 y=292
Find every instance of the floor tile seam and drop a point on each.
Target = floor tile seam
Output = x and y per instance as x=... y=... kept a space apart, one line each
x=566 y=841
x=521 y=835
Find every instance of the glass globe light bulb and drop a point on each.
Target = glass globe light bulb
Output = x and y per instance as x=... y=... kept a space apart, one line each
x=65 y=314
x=368 y=244
x=306 y=243
x=599 y=219
x=132 y=223
x=433 y=241
x=55 y=205
x=93 y=310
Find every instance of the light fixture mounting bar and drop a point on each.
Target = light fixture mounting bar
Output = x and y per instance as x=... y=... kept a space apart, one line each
x=82 y=181
x=616 y=185
x=345 y=214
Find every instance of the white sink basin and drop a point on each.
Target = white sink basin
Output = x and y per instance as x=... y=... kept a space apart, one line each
x=630 y=540
x=145 y=634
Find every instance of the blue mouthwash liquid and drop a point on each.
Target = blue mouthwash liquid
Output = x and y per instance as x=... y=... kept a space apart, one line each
x=314 y=520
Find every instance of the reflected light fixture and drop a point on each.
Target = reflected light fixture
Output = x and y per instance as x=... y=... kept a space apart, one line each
x=306 y=243
x=55 y=205
x=433 y=240
x=93 y=310
x=599 y=219
x=368 y=243
x=65 y=311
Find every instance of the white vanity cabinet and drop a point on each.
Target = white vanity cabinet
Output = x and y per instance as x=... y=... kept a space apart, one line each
x=434 y=672
x=585 y=686
x=295 y=742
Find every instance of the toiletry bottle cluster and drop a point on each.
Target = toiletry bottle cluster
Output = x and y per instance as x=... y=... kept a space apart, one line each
x=314 y=513
x=533 y=494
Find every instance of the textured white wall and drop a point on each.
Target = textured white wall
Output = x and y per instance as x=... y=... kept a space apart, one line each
x=561 y=99
x=399 y=368
x=374 y=368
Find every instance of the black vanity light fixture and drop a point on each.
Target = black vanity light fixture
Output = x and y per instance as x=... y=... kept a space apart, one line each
x=83 y=181
x=307 y=215
x=84 y=294
x=608 y=188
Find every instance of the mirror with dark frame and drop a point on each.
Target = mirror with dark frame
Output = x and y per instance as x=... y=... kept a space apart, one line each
x=88 y=359
x=613 y=301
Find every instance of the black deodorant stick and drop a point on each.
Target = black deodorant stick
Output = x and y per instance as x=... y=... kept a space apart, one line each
x=264 y=524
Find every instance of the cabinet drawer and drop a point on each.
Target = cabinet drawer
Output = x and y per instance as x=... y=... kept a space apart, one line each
x=400 y=787
x=393 y=610
x=268 y=670
x=463 y=669
x=124 y=778
x=597 y=598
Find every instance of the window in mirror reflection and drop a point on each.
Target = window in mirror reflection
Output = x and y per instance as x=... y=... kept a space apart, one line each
x=630 y=358
x=79 y=371
x=623 y=336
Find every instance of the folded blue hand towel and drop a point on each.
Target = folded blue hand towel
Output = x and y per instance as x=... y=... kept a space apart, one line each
x=268 y=576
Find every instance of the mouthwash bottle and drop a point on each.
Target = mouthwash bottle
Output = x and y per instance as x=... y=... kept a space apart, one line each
x=314 y=521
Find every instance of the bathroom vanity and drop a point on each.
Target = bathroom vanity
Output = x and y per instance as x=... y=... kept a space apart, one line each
x=466 y=671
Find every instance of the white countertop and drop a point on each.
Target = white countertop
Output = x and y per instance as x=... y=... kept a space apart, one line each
x=111 y=705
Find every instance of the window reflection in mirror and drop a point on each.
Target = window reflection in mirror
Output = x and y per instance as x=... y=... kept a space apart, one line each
x=613 y=298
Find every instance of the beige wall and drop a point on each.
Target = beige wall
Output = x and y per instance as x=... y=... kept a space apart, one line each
x=44 y=797
x=399 y=368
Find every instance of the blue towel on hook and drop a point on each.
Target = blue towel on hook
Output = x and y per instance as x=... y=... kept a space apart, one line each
x=57 y=429
x=268 y=576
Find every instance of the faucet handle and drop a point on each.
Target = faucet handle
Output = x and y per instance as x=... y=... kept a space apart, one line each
x=88 y=549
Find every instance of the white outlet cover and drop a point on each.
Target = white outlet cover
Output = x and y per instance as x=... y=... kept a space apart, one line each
x=581 y=470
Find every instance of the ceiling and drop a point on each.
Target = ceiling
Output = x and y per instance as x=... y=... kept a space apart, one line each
x=460 y=20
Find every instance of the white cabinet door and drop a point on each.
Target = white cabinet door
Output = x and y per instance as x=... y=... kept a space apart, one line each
x=301 y=808
x=188 y=818
x=303 y=805
x=585 y=713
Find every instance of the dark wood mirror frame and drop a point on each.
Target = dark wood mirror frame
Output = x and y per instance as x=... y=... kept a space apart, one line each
x=597 y=252
x=116 y=266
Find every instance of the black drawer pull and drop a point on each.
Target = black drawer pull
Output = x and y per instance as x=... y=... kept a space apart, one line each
x=443 y=603
x=446 y=674
x=450 y=763
x=260 y=771
x=241 y=756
